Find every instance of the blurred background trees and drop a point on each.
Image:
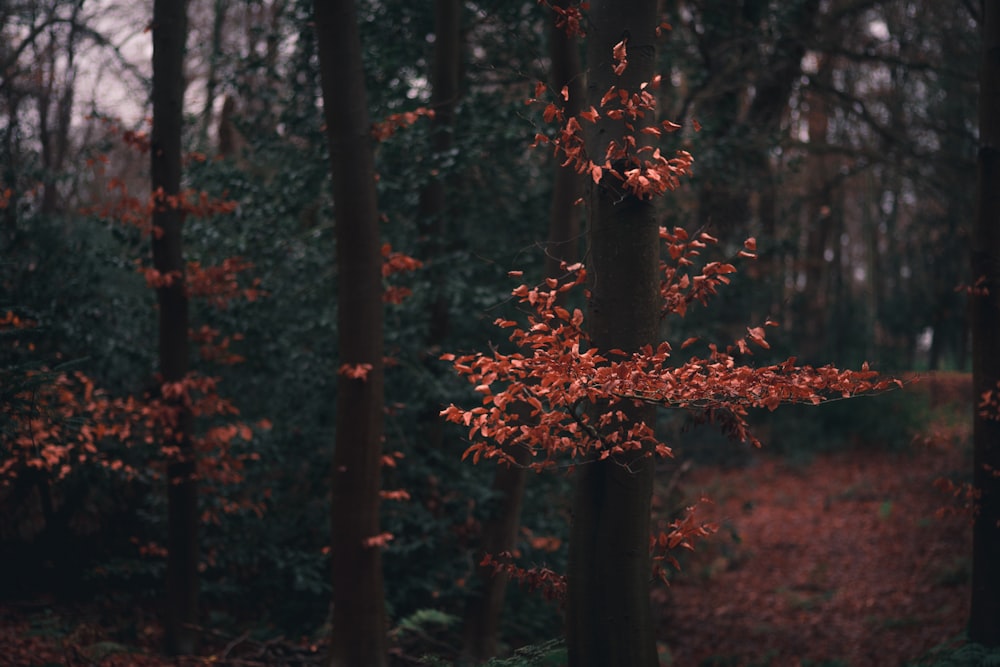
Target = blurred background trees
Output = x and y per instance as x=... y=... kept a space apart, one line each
x=840 y=133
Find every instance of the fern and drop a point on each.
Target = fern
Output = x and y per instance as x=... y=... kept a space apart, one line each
x=956 y=653
x=551 y=653
x=419 y=621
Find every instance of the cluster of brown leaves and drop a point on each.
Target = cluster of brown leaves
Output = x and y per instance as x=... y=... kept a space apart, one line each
x=57 y=424
x=569 y=18
x=62 y=421
x=394 y=262
x=551 y=584
x=629 y=163
x=395 y=122
x=541 y=397
x=219 y=285
x=135 y=211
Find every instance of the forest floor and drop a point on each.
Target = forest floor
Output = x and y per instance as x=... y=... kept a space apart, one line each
x=854 y=559
x=849 y=559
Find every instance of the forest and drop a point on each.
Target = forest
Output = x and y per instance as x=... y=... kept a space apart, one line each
x=600 y=333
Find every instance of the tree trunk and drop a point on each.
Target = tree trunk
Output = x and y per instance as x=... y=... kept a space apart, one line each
x=485 y=608
x=169 y=34
x=818 y=223
x=359 y=617
x=608 y=615
x=212 y=78
x=984 y=624
x=564 y=219
x=55 y=109
x=433 y=209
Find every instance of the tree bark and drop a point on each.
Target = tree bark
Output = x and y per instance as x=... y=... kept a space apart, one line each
x=984 y=624
x=608 y=615
x=169 y=35
x=359 y=616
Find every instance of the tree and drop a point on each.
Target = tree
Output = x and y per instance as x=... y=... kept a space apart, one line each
x=608 y=615
x=446 y=73
x=359 y=617
x=169 y=34
x=587 y=394
x=984 y=626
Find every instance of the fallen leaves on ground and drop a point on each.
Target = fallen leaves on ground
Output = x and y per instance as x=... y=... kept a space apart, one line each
x=843 y=561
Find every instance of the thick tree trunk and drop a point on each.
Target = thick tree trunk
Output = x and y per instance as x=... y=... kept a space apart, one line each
x=984 y=625
x=485 y=608
x=608 y=615
x=169 y=34
x=359 y=617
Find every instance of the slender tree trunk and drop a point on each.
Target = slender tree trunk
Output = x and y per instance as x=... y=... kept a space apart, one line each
x=608 y=615
x=169 y=34
x=11 y=150
x=485 y=608
x=434 y=207
x=819 y=227
x=984 y=625
x=212 y=80
x=55 y=107
x=564 y=220
x=359 y=617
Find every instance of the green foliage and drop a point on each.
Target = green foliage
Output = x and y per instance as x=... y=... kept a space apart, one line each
x=551 y=653
x=545 y=654
x=958 y=653
x=888 y=421
x=420 y=619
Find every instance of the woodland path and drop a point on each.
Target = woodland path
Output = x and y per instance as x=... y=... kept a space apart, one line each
x=852 y=560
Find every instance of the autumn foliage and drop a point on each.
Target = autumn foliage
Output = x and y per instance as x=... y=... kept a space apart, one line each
x=574 y=394
x=561 y=402
x=58 y=421
x=633 y=165
x=560 y=376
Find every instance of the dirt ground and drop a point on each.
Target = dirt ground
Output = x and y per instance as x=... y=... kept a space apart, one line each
x=853 y=560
